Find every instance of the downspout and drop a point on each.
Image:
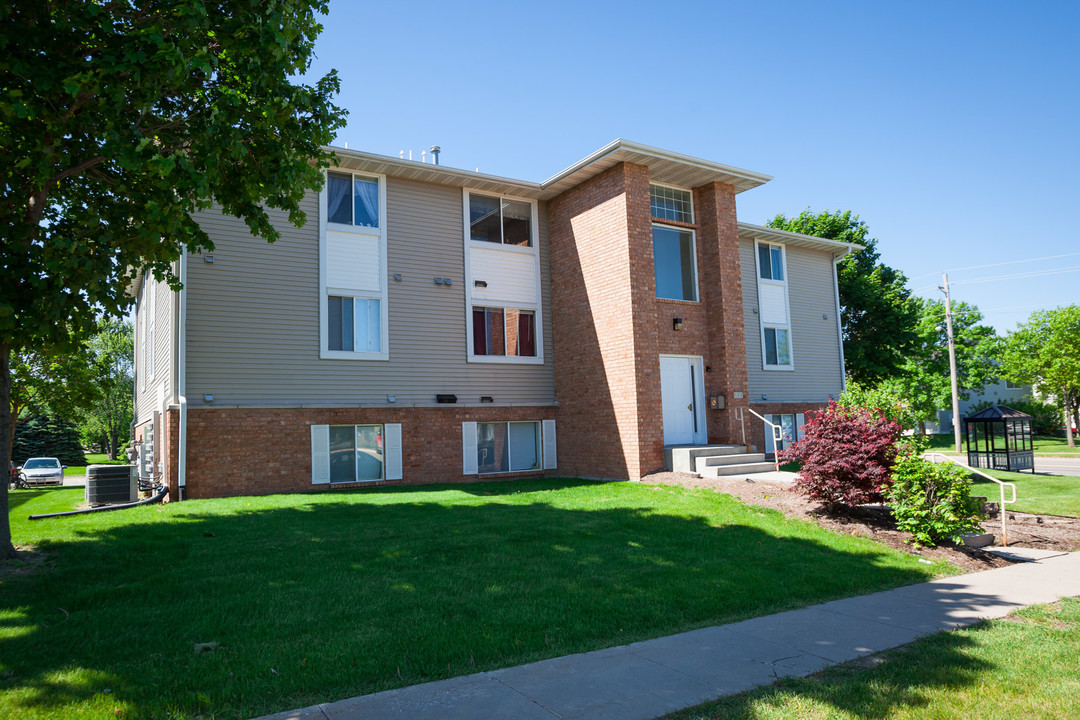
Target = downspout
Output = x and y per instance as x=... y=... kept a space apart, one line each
x=839 y=324
x=181 y=376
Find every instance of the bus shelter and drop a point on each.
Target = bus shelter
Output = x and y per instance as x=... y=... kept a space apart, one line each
x=999 y=438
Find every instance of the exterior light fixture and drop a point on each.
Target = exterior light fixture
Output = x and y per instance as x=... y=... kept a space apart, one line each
x=677 y=324
x=208 y=397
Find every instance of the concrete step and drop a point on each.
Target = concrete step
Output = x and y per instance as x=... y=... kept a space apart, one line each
x=683 y=458
x=740 y=459
x=743 y=469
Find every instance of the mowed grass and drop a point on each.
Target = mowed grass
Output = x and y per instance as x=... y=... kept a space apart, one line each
x=1039 y=494
x=1025 y=667
x=92 y=459
x=316 y=597
x=1043 y=444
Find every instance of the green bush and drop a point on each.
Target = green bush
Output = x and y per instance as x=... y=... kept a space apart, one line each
x=48 y=436
x=932 y=501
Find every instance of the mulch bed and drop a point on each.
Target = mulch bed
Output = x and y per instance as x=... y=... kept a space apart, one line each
x=1046 y=532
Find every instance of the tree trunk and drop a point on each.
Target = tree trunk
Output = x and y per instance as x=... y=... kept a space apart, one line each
x=114 y=440
x=1068 y=420
x=922 y=427
x=7 y=550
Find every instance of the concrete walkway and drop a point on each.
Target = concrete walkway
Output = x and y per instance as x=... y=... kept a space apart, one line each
x=652 y=678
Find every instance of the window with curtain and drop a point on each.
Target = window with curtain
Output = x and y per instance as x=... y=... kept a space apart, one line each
x=353 y=324
x=504 y=331
x=352 y=199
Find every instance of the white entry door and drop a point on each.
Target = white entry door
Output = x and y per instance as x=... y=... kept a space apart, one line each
x=681 y=390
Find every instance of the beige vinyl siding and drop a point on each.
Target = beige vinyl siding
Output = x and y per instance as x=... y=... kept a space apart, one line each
x=253 y=316
x=148 y=400
x=815 y=344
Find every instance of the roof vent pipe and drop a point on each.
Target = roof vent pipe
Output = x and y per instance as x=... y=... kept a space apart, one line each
x=435 y=150
x=423 y=156
x=401 y=154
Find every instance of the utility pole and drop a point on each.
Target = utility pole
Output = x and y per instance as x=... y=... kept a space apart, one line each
x=952 y=364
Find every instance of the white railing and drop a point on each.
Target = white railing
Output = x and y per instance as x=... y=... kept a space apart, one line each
x=777 y=431
x=1001 y=486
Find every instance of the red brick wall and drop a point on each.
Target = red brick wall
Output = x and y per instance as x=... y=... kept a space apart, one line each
x=594 y=289
x=721 y=294
x=260 y=451
x=171 y=441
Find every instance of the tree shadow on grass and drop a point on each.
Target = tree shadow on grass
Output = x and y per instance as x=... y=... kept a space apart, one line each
x=311 y=599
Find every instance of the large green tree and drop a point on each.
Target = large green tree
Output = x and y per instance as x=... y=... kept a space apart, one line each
x=1044 y=351
x=122 y=120
x=878 y=314
x=108 y=418
x=925 y=380
x=43 y=382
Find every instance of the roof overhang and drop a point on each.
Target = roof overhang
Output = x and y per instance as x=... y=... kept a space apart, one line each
x=749 y=231
x=435 y=174
x=666 y=167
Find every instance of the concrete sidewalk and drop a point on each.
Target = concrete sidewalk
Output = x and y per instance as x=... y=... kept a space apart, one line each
x=652 y=678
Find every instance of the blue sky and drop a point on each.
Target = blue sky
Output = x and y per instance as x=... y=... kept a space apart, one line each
x=951 y=128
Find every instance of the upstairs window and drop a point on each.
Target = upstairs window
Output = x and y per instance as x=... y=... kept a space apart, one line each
x=674 y=263
x=353 y=324
x=352 y=199
x=671 y=204
x=504 y=331
x=771 y=262
x=499 y=220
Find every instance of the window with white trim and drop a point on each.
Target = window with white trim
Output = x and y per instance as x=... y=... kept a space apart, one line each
x=774 y=311
x=668 y=203
x=674 y=263
x=352 y=199
x=500 y=220
x=502 y=447
x=151 y=333
x=355 y=453
x=791 y=429
x=353 y=277
x=502 y=279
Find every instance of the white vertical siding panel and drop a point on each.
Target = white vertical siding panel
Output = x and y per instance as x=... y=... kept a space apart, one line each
x=551 y=460
x=352 y=262
x=510 y=277
x=320 y=454
x=392 y=441
x=469 y=463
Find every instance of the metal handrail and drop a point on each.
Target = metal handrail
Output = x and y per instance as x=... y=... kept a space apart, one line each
x=1001 y=487
x=778 y=432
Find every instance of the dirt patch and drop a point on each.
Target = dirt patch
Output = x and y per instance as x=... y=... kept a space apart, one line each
x=1044 y=532
x=27 y=559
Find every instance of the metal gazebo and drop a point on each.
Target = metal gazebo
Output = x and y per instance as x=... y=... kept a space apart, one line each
x=999 y=438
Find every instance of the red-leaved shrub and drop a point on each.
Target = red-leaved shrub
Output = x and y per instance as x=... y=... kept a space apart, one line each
x=846 y=455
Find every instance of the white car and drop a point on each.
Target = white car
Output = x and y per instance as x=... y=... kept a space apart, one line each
x=43 y=470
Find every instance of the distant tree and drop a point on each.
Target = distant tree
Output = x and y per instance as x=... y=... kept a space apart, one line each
x=109 y=417
x=43 y=383
x=48 y=436
x=1044 y=351
x=121 y=121
x=925 y=380
x=876 y=308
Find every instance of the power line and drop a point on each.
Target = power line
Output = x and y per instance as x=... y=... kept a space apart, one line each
x=1035 y=273
x=1012 y=262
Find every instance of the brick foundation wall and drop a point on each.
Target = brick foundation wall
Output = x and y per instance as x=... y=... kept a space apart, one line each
x=257 y=451
x=171 y=443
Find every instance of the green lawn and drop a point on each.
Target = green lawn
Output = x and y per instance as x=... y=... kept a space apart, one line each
x=1024 y=667
x=92 y=459
x=317 y=597
x=1044 y=444
x=1046 y=494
